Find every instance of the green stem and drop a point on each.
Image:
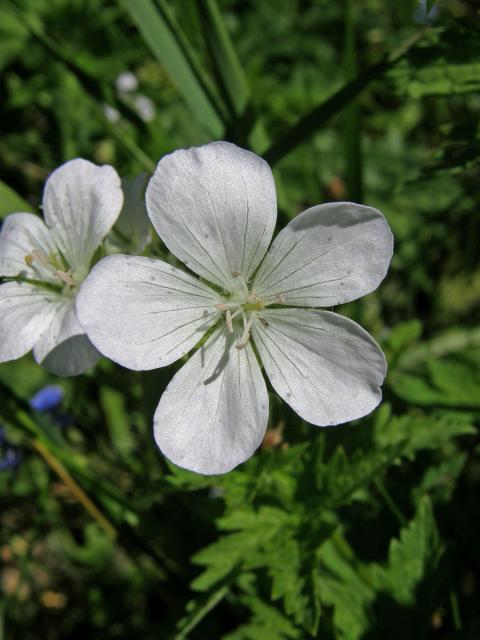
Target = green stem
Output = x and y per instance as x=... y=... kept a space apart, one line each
x=75 y=489
x=352 y=116
x=457 y=621
x=318 y=117
x=390 y=502
x=200 y=614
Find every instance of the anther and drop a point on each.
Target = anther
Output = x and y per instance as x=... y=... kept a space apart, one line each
x=36 y=255
x=247 y=324
x=66 y=278
x=228 y=320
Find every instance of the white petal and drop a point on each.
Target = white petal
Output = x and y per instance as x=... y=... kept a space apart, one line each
x=326 y=367
x=64 y=348
x=25 y=313
x=131 y=232
x=213 y=414
x=21 y=234
x=215 y=209
x=80 y=203
x=144 y=313
x=327 y=255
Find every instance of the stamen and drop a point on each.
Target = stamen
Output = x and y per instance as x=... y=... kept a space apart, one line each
x=39 y=255
x=66 y=278
x=228 y=320
x=226 y=306
x=52 y=264
x=247 y=325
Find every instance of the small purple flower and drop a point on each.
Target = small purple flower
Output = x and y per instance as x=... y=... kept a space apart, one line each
x=11 y=459
x=47 y=398
x=10 y=456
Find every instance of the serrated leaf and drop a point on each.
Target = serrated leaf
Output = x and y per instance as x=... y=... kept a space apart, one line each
x=250 y=532
x=451 y=382
x=413 y=555
x=266 y=623
x=439 y=481
x=408 y=434
x=273 y=540
x=347 y=586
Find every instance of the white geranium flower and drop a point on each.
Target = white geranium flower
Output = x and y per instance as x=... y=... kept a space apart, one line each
x=215 y=209
x=43 y=263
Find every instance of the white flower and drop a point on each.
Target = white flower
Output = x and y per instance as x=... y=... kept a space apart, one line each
x=111 y=114
x=145 y=107
x=43 y=263
x=126 y=82
x=215 y=209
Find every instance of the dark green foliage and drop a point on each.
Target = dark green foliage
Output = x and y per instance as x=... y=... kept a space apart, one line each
x=366 y=531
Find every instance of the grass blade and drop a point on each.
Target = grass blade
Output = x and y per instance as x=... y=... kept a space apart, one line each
x=166 y=41
x=244 y=126
x=229 y=74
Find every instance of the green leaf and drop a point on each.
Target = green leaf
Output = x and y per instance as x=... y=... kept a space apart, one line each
x=452 y=382
x=266 y=623
x=347 y=586
x=166 y=41
x=453 y=341
x=251 y=530
x=447 y=67
x=412 y=556
x=318 y=117
x=11 y=202
x=405 y=435
x=439 y=481
x=276 y=541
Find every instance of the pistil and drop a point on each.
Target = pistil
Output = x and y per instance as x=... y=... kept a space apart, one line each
x=247 y=325
x=246 y=304
x=64 y=275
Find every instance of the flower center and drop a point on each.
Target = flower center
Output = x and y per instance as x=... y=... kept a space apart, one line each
x=244 y=305
x=54 y=264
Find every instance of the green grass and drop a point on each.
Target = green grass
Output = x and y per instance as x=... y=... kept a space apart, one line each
x=369 y=530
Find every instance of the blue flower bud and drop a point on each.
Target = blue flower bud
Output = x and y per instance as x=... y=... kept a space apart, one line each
x=11 y=459
x=47 y=398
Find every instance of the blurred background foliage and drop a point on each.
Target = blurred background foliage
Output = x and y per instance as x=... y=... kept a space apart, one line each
x=365 y=531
